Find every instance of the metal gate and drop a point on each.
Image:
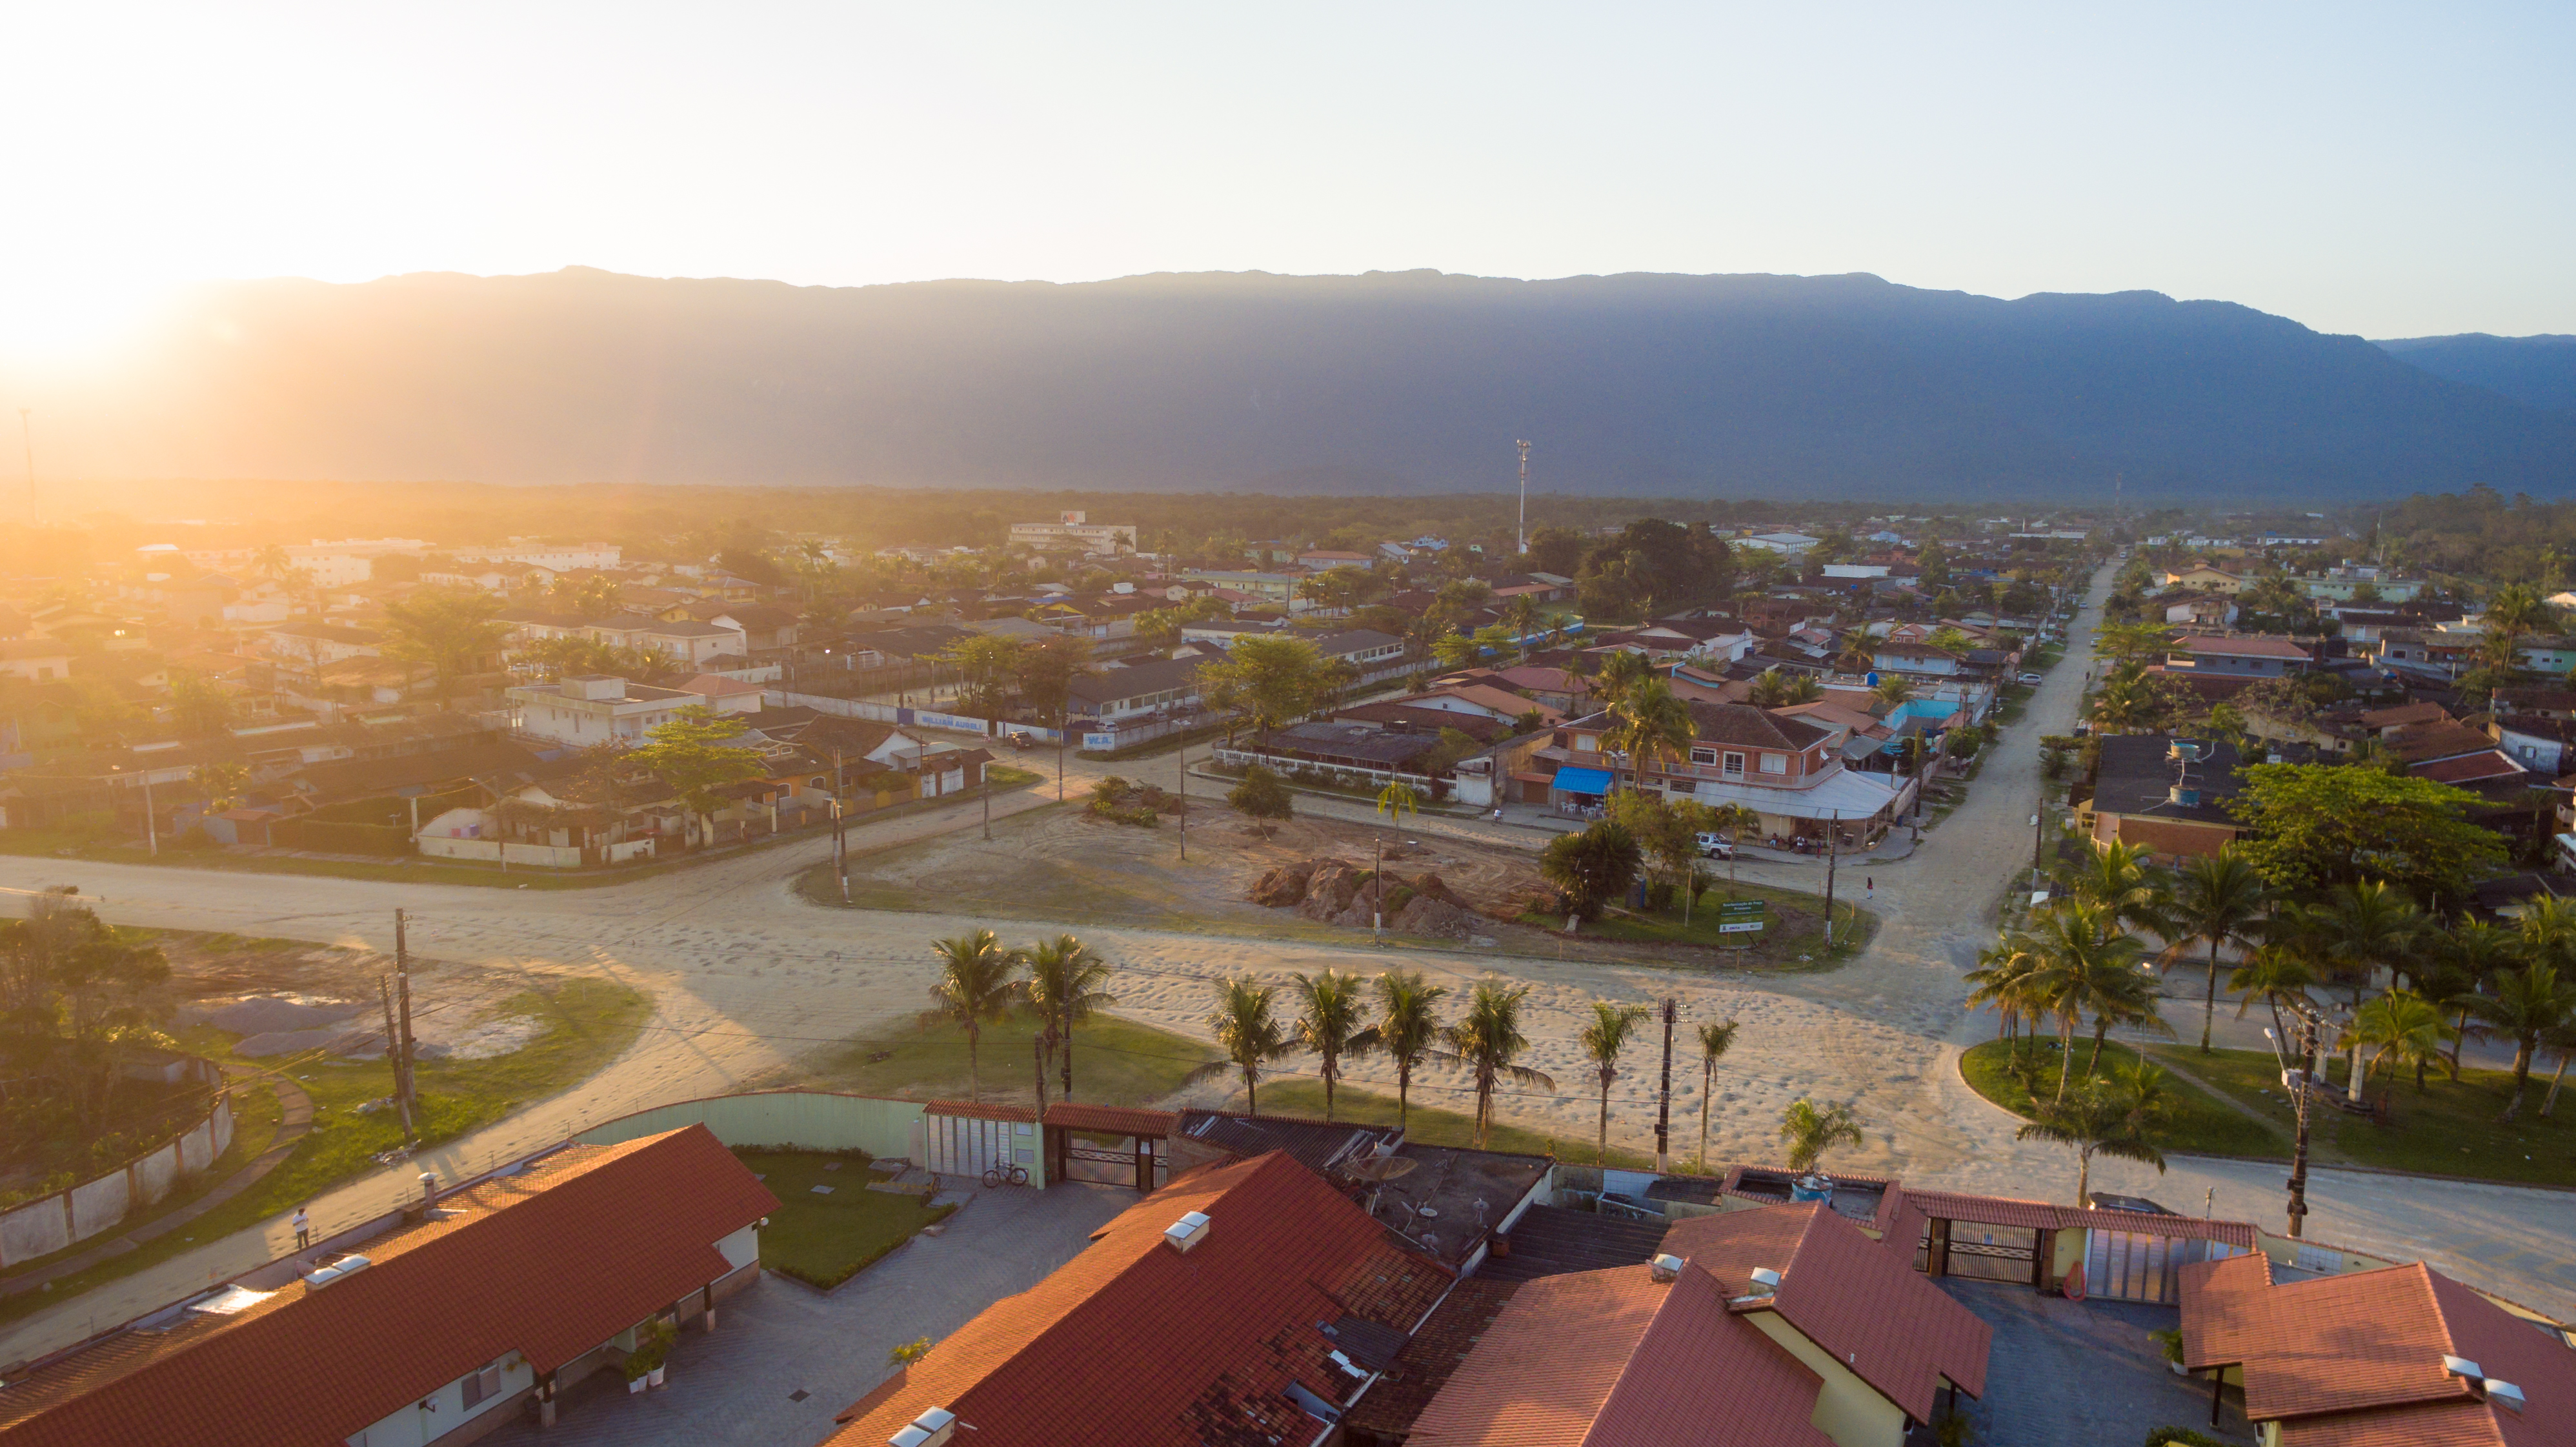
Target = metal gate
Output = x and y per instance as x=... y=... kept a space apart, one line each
x=961 y=1145
x=2136 y=1266
x=1131 y=1162
x=1992 y=1253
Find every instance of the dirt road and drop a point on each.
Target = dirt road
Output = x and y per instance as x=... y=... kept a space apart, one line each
x=746 y=978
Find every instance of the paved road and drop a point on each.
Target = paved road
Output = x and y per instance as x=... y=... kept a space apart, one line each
x=746 y=977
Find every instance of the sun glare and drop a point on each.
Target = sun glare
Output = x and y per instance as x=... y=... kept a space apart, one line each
x=59 y=319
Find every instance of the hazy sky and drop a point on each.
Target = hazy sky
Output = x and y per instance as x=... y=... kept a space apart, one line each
x=2382 y=170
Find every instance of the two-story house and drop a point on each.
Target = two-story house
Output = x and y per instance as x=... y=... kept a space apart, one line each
x=1789 y=770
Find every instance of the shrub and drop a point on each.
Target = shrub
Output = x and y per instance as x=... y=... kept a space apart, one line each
x=2181 y=1437
x=652 y=1347
x=2170 y=1339
x=1136 y=814
x=1109 y=790
x=1262 y=798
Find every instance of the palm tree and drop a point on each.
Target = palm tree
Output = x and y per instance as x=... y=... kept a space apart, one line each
x=974 y=989
x=1648 y=724
x=1398 y=799
x=1775 y=687
x=2277 y=974
x=1488 y=1041
x=1331 y=1026
x=1621 y=672
x=1716 y=1037
x=2222 y=897
x=1408 y=1029
x=2529 y=1004
x=1064 y=988
x=2007 y=977
x=2362 y=925
x=1249 y=1034
x=2088 y=967
x=2106 y=1118
x=2563 y=1041
x=2115 y=879
x=1522 y=614
x=1811 y=1132
x=1894 y=689
x=1609 y=1032
x=2406 y=1029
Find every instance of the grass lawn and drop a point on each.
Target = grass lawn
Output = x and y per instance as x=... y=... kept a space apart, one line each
x=588 y=1022
x=1779 y=945
x=1115 y=1062
x=2450 y=1129
x=825 y=1239
x=1438 y=1126
x=2199 y=1122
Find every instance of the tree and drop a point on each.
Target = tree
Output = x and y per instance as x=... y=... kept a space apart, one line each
x=2278 y=974
x=2313 y=826
x=1591 y=868
x=2528 y=1005
x=1648 y=724
x=2088 y=967
x=1408 y=1029
x=1602 y=1038
x=1262 y=798
x=2404 y=1030
x=1065 y=989
x=1621 y=673
x=2361 y=926
x=690 y=754
x=1330 y=1024
x=2008 y=977
x=1523 y=616
x=1045 y=671
x=596 y=596
x=1810 y=1132
x=447 y=630
x=1893 y=689
x=1716 y=1037
x=198 y=709
x=1488 y=1041
x=987 y=671
x=1776 y=687
x=974 y=989
x=74 y=994
x=1249 y=1033
x=2128 y=642
x=1557 y=550
x=2220 y=899
x=1268 y=681
x=1934 y=565
x=2116 y=880
x=223 y=780
x=1667 y=830
x=2106 y=1118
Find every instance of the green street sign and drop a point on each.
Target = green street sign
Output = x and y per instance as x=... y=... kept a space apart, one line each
x=1741 y=916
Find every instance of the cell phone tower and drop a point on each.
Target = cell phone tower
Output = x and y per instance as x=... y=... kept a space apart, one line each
x=1524 y=527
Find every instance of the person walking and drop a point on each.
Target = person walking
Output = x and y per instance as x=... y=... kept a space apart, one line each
x=1868 y=887
x=303 y=1229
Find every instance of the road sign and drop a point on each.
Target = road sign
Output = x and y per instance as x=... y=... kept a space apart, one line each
x=1740 y=916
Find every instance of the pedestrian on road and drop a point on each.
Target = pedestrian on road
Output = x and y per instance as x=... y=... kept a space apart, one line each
x=303 y=1229
x=1868 y=886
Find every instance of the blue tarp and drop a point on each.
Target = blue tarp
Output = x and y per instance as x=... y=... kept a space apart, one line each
x=1582 y=781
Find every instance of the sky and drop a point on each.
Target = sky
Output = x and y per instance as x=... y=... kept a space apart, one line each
x=2381 y=170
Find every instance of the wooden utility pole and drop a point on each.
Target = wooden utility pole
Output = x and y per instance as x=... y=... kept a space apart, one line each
x=404 y=1084
x=1833 y=841
x=393 y=1056
x=1664 y=1096
x=840 y=830
x=1185 y=797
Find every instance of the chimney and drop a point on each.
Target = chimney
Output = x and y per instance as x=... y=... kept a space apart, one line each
x=1185 y=1234
x=1665 y=1268
x=932 y=1428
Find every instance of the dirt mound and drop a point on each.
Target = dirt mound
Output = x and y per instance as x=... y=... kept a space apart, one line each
x=1428 y=883
x=1285 y=885
x=1436 y=918
x=1330 y=890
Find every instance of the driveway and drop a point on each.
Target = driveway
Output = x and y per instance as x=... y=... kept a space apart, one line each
x=2067 y=1371
x=784 y=1358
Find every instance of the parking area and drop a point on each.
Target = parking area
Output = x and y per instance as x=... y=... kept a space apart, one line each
x=2076 y=1371
x=784 y=1358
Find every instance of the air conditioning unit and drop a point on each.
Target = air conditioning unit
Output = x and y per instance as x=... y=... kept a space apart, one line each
x=932 y=1428
x=1185 y=1234
x=1665 y=1268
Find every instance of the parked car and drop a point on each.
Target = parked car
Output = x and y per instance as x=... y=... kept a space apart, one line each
x=2032 y=679
x=1021 y=741
x=1714 y=846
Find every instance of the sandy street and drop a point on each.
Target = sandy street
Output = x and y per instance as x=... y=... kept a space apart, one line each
x=746 y=977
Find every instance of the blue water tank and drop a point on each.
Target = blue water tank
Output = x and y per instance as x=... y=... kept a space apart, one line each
x=1811 y=1188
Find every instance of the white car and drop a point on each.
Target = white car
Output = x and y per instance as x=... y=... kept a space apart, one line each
x=1714 y=846
x=2033 y=679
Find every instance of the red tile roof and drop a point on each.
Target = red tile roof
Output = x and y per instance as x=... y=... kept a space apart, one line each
x=550 y=1263
x=1617 y=1357
x=2042 y=1215
x=1427 y=1362
x=2356 y=1360
x=1074 y=1115
x=1134 y=1344
x=2246 y=645
x=2468 y=768
x=1848 y=1295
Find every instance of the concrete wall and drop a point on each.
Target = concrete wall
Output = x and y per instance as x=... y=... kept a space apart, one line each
x=536 y=856
x=66 y=1218
x=1848 y=1409
x=807 y=1119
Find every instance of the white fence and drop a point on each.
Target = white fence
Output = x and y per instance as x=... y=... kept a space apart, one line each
x=67 y=1218
x=504 y=851
x=888 y=713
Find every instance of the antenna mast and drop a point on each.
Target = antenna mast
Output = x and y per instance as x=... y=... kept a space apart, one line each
x=1524 y=528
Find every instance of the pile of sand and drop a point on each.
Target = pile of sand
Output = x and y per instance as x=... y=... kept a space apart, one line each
x=1331 y=890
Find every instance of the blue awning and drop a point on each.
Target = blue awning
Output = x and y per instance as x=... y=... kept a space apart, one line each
x=1582 y=781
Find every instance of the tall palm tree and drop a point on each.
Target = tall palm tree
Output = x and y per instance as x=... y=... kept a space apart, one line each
x=974 y=989
x=1894 y=689
x=2008 y=976
x=2363 y=925
x=1331 y=1024
x=2116 y=880
x=2277 y=974
x=1810 y=1132
x=2402 y=1029
x=1776 y=687
x=1249 y=1033
x=2221 y=898
x=2106 y=1118
x=1522 y=614
x=1649 y=724
x=1716 y=1037
x=2089 y=967
x=1408 y=1029
x=1608 y=1033
x=1064 y=987
x=1621 y=672
x=2528 y=1004
x=2472 y=953
x=1488 y=1041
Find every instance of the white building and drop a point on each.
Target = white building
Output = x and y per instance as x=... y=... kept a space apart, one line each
x=596 y=709
x=1076 y=530
x=1786 y=544
x=560 y=558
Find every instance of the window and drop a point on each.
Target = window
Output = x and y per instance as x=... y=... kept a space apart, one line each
x=1734 y=766
x=1703 y=756
x=1775 y=763
x=481 y=1385
x=1586 y=743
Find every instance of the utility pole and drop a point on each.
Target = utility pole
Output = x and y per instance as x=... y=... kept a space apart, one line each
x=2298 y=1182
x=840 y=830
x=1833 y=838
x=1377 y=907
x=151 y=826
x=1664 y=1097
x=1524 y=523
x=1060 y=742
x=402 y=1105
x=403 y=1083
x=1185 y=798
x=2036 y=839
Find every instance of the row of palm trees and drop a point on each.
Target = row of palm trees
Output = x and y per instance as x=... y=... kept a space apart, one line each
x=2083 y=957
x=1061 y=982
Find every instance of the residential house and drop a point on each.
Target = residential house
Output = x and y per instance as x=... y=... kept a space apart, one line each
x=2238 y=655
x=1324 y=560
x=592 y=708
x=1136 y=689
x=1276 y=590
x=1787 y=544
x=2403 y=1354
x=302 y=650
x=1788 y=1324
x=2201 y=577
x=765 y=627
x=36 y=660
x=1075 y=532
x=200 y=602
x=1246 y=1302
x=1790 y=771
x=2166 y=795
x=431 y=1325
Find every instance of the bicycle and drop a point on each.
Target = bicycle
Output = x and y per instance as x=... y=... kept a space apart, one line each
x=1001 y=1175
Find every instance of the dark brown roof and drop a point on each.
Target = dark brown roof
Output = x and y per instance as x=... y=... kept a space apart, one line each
x=1425 y=1364
x=1744 y=725
x=549 y=1263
